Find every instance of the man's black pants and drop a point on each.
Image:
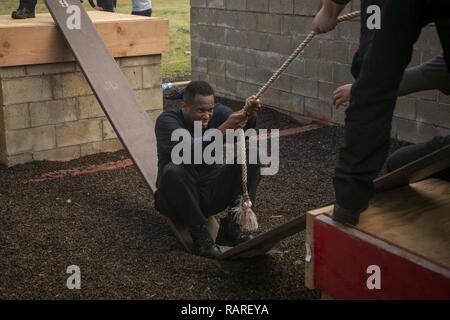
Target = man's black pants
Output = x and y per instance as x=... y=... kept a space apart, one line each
x=192 y=193
x=373 y=98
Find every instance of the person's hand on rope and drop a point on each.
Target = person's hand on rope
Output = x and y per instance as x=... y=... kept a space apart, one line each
x=236 y=120
x=342 y=95
x=326 y=19
x=252 y=104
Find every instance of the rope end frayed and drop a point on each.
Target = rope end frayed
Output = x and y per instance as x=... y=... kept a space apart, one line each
x=245 y=217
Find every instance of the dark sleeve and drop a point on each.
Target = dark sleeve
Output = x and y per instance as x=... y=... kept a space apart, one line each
x=107 y=5
x=165 y=125
x=224 y=112
x=430 y=75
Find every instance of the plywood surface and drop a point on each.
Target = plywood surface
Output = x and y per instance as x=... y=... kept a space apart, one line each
x=415 y=218
x=37 y=41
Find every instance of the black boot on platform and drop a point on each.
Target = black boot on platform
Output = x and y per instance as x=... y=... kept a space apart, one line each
x=203 y=243
x=26 y=10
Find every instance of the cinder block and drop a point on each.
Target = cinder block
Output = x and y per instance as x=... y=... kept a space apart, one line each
x=154 y=114
x=319 y=70
x=268 y=60
x=256 y=75
x=414 y=132
x=305 y=87
x=26 y=140
x=88 y=107
x=151 y=99
x=108 y=131
x=257 y=40
x=311 y=51
x=207 y=50
x=216 y=4
x=59 y=154
x=216 y=35
x=296 y=25
x=216 y=67
x=281 y=6
x=279 y=44
x=238 y=5
x=101 y=146
x=334 y=51
x=134 y=76
x=152 y=76
x=338 y=115
x=326 y=90
x=22 y=90
x=227 y=19
x=225 y=85
x=79 y=132
x=199 y=64
x=201 y=16
x=405 y=108
x=12 y=72
x=444 y=98
x=306 y=7
x=246 y=21
x=342 y=73
x=236 y=38
x=53 y=68
x=244 y=90
x=293 y=103
x=431 y=95
x=70 y=85
x=429 y=40
x=53 y=112
x=140 y=61
x=269 y=23
x=433 y=113
x=198 y=3
x=235 y=71
x=318 y=110
x=283 y=83
x=17 y=159
x=258 y=5
x=297 y=68
x=16 y=116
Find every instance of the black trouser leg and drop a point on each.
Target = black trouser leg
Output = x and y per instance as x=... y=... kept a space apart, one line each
x=408 y=154
x=219 y=193
x=29 y=4
x=191 y=195
x=178 y=195
x=369 y=116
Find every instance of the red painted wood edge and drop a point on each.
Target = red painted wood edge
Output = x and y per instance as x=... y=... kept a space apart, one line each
x=343 y=254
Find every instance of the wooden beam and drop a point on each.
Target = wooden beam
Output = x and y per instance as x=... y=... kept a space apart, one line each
x=37 y=41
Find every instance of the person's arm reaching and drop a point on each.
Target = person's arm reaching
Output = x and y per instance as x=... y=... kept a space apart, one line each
x=326 y=19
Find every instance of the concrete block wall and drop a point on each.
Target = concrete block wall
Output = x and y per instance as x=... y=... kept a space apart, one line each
x=48 y=112
x=238 y=44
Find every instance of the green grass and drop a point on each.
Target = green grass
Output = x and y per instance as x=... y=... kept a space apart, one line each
x=176 y=62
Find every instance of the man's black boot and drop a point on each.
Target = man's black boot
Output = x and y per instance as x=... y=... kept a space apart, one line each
x=346 y=216
x=230 y=233
x=203 y=243
x=26 y=10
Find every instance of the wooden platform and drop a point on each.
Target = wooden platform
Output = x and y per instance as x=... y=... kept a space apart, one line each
x=37 y=41
x=405 y=231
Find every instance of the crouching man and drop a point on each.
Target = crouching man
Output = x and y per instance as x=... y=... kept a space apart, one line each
x=192 y=192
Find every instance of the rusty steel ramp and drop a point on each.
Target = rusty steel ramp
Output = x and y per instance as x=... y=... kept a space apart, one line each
x=132 y=124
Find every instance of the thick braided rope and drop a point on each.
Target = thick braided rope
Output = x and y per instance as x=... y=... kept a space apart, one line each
x=275 y=76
